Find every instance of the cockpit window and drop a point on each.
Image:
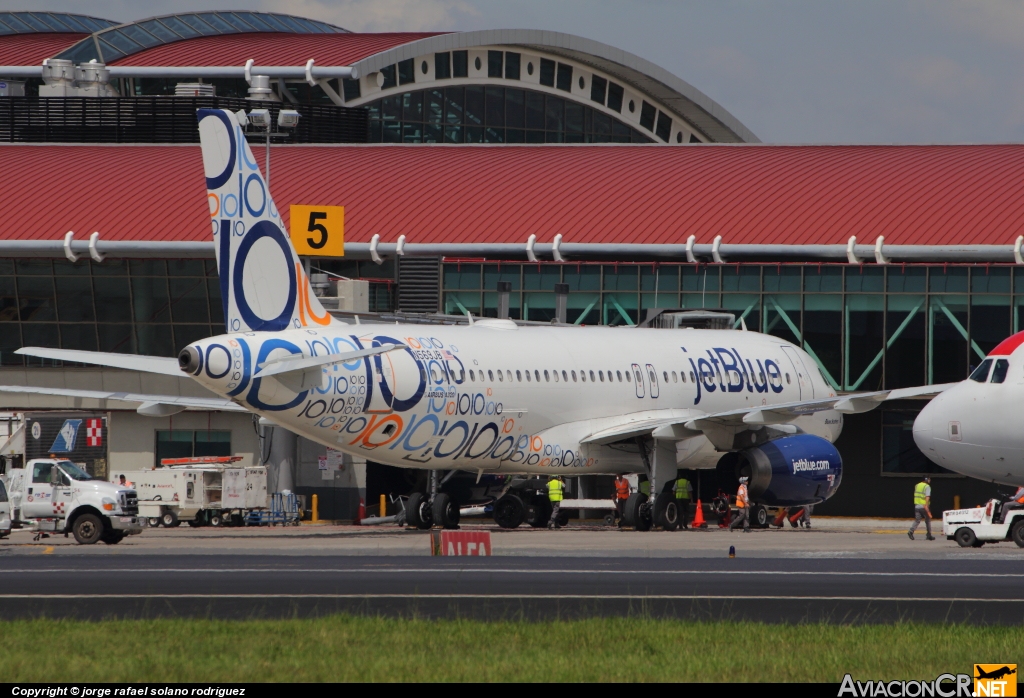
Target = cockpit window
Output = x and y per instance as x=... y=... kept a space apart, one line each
x=999 y=372
x=981 y=373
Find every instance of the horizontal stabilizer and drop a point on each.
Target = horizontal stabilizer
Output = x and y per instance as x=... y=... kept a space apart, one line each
x=132 y=362
x=150 y=405
x=303 y=363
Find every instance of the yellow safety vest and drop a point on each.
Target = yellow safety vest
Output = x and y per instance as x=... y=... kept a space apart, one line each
x=555 y=490
x=681 y=488
x=919 y=495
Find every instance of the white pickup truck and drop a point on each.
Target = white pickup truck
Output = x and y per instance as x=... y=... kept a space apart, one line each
x=56 y=496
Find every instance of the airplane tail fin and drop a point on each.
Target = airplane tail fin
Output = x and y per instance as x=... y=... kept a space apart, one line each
x=263 y=286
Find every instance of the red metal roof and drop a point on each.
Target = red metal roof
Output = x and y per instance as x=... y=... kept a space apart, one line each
x=269 y=49
x=31 y=49
x=941 y=195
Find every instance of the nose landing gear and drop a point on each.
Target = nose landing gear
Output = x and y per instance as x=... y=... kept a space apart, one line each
x=436 y=508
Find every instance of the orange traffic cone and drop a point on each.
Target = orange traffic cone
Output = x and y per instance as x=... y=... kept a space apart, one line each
x=698 y=519
x=361 y=513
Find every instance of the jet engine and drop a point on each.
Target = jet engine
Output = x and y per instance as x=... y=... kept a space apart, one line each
x=790 y=471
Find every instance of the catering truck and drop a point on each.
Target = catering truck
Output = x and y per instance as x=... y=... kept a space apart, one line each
x=56 y=496
x=203 y=491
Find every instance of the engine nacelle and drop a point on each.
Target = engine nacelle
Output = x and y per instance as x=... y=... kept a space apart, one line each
x=793 y=470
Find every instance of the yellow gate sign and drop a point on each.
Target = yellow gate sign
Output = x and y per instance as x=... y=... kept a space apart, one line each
x=318 y=231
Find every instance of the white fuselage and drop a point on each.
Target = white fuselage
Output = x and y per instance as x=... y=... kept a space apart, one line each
x=496 y=397
x=977 y=428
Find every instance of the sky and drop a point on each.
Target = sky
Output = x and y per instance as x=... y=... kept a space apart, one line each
x=793 y=71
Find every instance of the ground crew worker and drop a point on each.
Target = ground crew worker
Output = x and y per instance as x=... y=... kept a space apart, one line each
x=742 y=507
x=1016 y=503
x=555 y=489
x=684 y=493
x=922 y=500
x=621 y=493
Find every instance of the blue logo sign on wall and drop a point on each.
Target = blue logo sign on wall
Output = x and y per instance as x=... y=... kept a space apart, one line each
x=65 y=441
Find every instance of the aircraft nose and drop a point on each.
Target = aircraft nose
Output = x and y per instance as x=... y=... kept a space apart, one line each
x=928 y=425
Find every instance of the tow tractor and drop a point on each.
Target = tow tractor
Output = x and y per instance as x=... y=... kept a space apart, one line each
x=972 y=528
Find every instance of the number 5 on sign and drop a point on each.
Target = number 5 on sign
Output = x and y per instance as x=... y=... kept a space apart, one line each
x=318 y=231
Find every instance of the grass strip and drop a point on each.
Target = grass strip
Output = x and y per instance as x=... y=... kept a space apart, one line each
x=353 y=648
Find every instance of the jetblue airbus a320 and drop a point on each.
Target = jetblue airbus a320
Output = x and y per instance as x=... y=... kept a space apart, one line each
x=491 y=396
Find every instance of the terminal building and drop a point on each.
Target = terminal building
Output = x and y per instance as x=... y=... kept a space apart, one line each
x=530 y=174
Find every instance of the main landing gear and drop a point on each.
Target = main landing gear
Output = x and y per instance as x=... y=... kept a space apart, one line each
x=434 y=508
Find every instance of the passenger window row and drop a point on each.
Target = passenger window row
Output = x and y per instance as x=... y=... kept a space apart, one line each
x=548 y=376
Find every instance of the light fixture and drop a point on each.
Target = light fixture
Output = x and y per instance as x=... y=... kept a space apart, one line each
x=288 y=118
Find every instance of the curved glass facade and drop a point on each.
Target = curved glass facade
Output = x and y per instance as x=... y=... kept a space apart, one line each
x=492 y=114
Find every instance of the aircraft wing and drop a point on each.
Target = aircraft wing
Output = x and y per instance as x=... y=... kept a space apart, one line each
x=149 y=405
x=133 y=362
x=676 y=427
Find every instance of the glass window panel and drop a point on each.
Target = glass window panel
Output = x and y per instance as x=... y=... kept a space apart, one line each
x=493 y=273
x=116 y=338
x=535 y=111
x=564 y=78
x=647 y=112
x=615 y=93
x=275 y=22
x=406 y=72
x=620 y=309
x=990 y=280
x=174 y=444
x=179 y=28
x=10 y=340
x=390 y=78
x=991 y=320
x=467 y=276
x=119 y=41
x=460 y=64
x=535 y=137
x=653 y=301
x=512 y=61
x=823 y=279
x=433 y=134
x=515 y=135
x=116 y=267
x=742 y=277
x=782 y=317
x=453 y=134
x=621 y=278
x=900 y=455
x=494 y=105
x=351 y=89
x=412 y=132
x=216 y=302
x=434 y=106
x=148 y=267
x=199 y=25
x=906 y=279
x=150 y=299
x=779 y=278
x=700 y=277
x=136 y=34
x=541 y=277
x=746 y=306
x=474 y=105
x=155 y=340
x=494 y=63
x=78 y=336
x=40 y=334
x=583 y=308
x=905 y=328
x=412 y=106
x=236 y=22
x=659 y=278
x=865 y=279
x=823 y=333
x=258 y=21
x=185 y=267
x=217 y=23
x=455 y=98
x=34 y=267
x=6 y=267
x=664 y=129
x=598 y=88
x=547 y=72
x=8 y=300
x=865 y=329
x=583 y=278
x=34 y=22
x=115 y=300
x=186 y=334
x=62 y=267
x=110 y=52
x=442 y=66
x=553 y=113
x=213 y=443
x=458 y=302
x=947 y=280
x=35 y=298
x=515 y=310
x=947 y=317
x=14 y=22
x=539 y=307
x=515 y=108
x=573 y=117
x=188 y=300
x=74 y=299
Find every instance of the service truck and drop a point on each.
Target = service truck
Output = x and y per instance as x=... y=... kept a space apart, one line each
x=204 y=491
x=56 y=496
x=972 y=528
